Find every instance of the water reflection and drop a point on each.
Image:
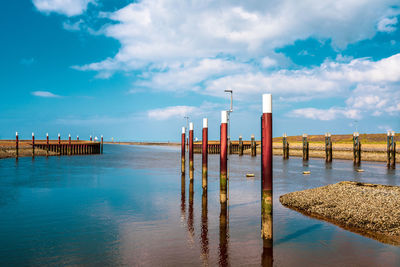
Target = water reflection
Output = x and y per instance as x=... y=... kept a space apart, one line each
x=223 y=236
x=204 y=227
x=183 y=197
x=267 y=254
x=190 y=215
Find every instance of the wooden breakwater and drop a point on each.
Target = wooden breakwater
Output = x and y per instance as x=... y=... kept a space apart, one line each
x=235 y=147
x=26 y=148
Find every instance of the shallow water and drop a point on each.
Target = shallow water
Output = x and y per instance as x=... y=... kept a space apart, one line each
x=127 y=207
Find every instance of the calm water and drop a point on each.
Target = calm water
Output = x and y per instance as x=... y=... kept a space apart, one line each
x=129 y=207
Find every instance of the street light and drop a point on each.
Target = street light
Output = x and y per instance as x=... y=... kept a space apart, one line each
x=229 y=136
x=231 y=92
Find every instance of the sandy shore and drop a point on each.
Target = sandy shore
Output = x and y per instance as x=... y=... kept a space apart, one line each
x=368 y=209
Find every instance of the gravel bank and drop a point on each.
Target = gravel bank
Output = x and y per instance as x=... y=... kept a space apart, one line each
x=369 y=209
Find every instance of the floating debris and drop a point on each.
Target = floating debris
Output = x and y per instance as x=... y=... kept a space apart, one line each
x=306 y=172
x=250 y=175
x=359 y=170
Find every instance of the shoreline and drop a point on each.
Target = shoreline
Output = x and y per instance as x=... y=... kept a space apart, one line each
x=366 y=209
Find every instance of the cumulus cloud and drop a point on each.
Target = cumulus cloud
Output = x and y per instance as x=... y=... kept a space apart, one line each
x=387 y=24
x=170 y=112
x=65 y=7
x=45 y=94
x=159 y=31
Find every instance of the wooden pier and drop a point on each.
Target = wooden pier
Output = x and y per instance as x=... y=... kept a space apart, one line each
x=235 y=146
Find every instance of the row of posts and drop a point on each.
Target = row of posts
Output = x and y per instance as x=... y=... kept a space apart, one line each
x=266 y=166
x=59 y=149
x=391 y=148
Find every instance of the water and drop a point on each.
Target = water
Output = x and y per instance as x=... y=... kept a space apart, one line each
x=126 y=207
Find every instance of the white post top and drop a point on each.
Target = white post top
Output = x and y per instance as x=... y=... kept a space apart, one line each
x=240 y=137
x=392 y=133
x=329 y=134
x=77 y=136
x=354 y=133
x=267 y=103
x=69 y=135
x=16 y=133
x=47 y=134
x=252 y=136
x=101 y=136
x=284 y=135
x=90 y=136
x=326 y=134
x=183 y=130
x=33 y=134
x=58 y=135
x=224 y=116
x=205 y=123
x=191 y=126
x=389 y=133
x=357 y=134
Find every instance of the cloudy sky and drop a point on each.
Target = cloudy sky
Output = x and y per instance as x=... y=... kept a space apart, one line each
x=133 y=70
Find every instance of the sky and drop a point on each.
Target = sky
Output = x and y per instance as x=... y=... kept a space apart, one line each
x=132 y=70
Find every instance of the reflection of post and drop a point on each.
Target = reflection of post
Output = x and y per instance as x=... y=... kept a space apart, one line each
x=190 y=217
x=253 y=146
x=266 y=169
x=204 y=227
x=205 y=153
x=267 y=255
x=223 y=236
x=240 y=146
x=223 y=156
x=191 y=167
x=183 y=151
x=183 y=195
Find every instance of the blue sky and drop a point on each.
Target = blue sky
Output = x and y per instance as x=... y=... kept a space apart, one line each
x=133 y=70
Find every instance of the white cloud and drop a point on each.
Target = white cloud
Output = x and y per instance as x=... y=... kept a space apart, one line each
x=65 y=7
x=73 y=26
x=45 y=94
x=165 y=31
x=171 y=112
x=387 y=24
x=324 y=114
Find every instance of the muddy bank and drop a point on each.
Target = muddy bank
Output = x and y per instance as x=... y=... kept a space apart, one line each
x=369 y=209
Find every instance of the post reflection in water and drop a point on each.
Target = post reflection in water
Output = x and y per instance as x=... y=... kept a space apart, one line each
x=204 y=227
x=190 y=216
x=183 y=197
x=223 y=236
x=267 y=255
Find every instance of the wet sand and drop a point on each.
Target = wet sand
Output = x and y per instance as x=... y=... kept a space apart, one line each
x=368 y=209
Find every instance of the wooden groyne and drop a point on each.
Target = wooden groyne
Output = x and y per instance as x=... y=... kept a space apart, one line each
x=235 y=147
x=26 y=148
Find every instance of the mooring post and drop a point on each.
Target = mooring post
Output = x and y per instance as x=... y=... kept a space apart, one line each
x=33 y=144
x=253 y=146
x=305 y=147
x=183 y=151
x=330 y=147
x=47 y=144
x=16 y=145
x=285 y=150
x=59 y=144
x=91 y=139
x=191 y=166
x=393 y=165
x=240 y=146
x=205 y=153
x=77 y=138
x=388 y=148
x=223 y=163
x=69 y=144
x=101 y=148
x=266 y=170
x=354 y=148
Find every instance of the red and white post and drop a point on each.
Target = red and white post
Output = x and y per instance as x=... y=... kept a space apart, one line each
x=91 y=139
x=191 y=167
x=77 y=137
x=223 y=163
x=47 y=144
x=205 y=153
x=33 y=144
x=183 y=151
x=266 y=170
x=16 y=144
x=69 y=144
x=59 y=144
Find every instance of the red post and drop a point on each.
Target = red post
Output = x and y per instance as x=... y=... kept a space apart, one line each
x=69 y=144
x=77 y=137
x=183 y=151
x=47 y=143
x=266 y=170
x=59 y=144
x=205 y=153
x=33 y=144
x=90 y=138
x=223 y=173
x=16 y=144
x=191 y=167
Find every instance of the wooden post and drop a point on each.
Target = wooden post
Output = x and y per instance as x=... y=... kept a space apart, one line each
x=393 y=165
x=305 y=147
x=69 y=144
x=183 y=151
x=205 y=154
x=266 y=170
x=16 y=145
x=191 y=166
x=328 y=147
x=389 y=148
x=240 y=146
x=59 y=144
x=253 y=146
x=284 y=143
x=356 y=148
x=101 y=147
x=223 y=172
x=33 y=144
